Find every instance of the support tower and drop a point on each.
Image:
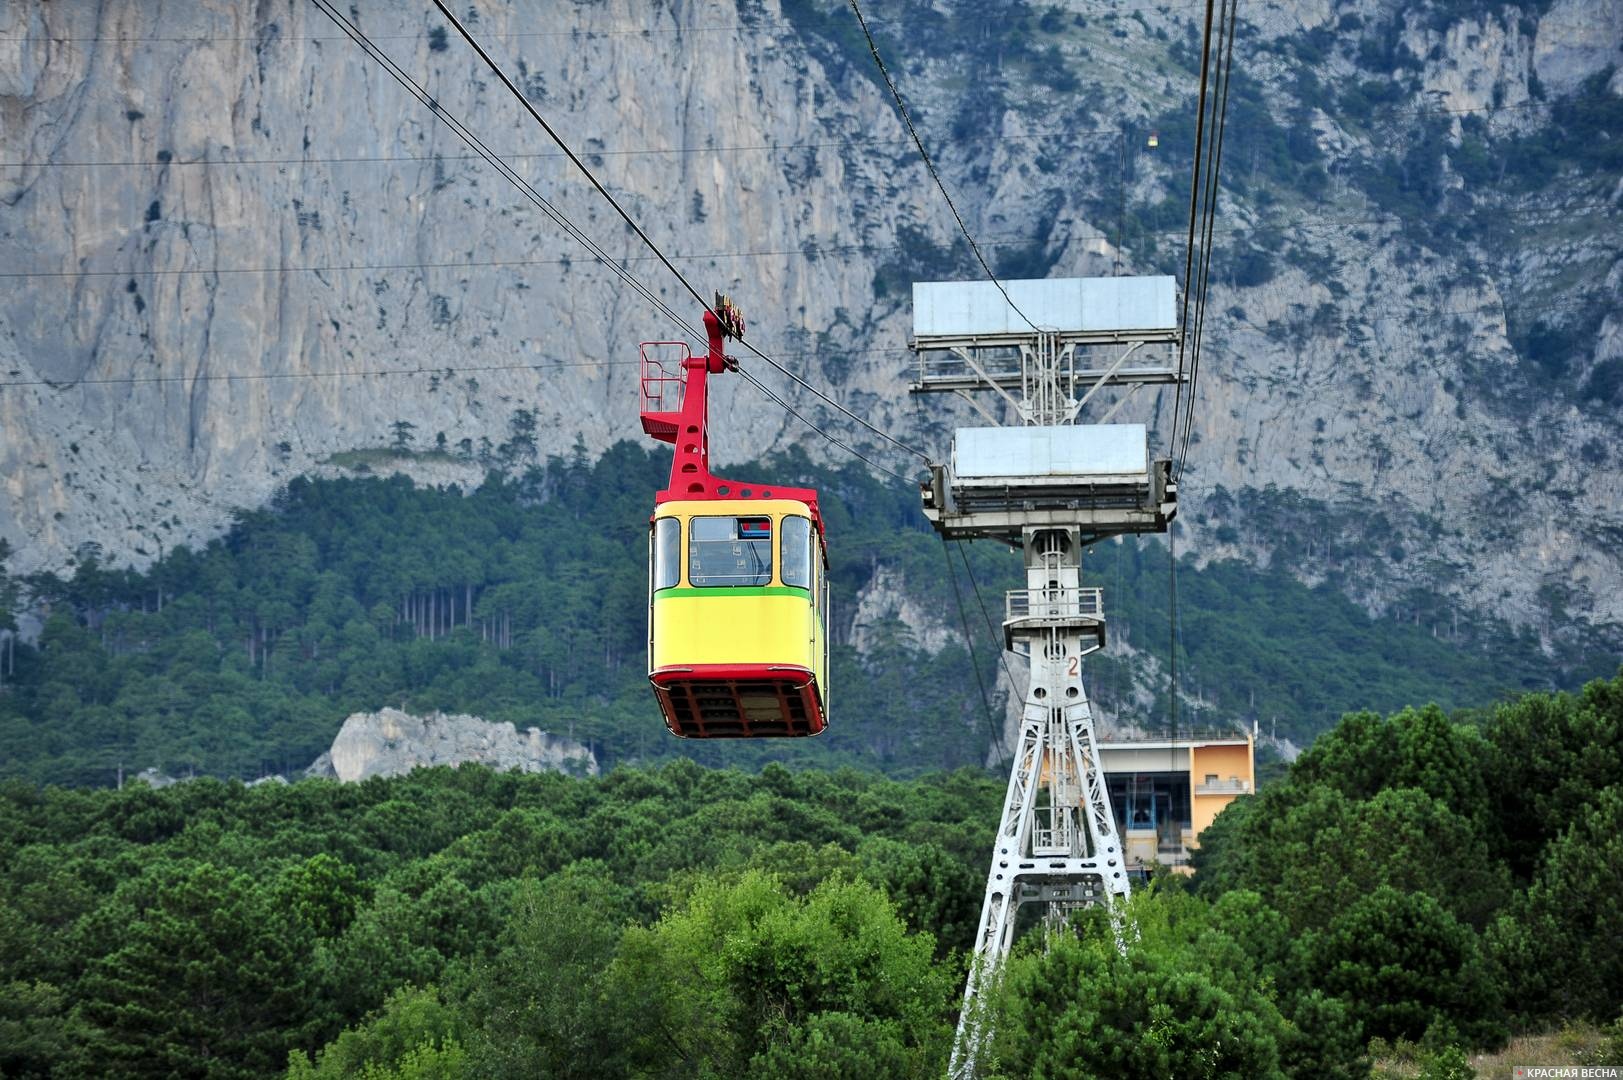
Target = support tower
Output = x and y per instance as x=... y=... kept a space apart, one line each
x=1048 y=486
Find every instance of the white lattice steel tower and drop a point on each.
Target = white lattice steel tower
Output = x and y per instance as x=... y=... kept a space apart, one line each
x=1050 y=487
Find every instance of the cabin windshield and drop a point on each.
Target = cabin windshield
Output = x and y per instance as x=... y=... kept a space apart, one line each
x=729 y=551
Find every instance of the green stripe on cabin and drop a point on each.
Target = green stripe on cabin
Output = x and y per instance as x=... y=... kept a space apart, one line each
x=735 y=590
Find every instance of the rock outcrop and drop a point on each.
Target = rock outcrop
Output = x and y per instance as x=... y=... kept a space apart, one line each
x=886 y=600
x=153 y=777
x=390 y=743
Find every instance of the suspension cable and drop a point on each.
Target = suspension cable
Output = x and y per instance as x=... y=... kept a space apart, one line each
x=1172 y=634
x=1195 y=187
x=930 y=165
x=1003 y=654
x=1225 y=77
x=1194 y=195
x=847 y=447
x=969 y=643
x=642 y=235
x=579 y=164
x=422 y=95
x=474 y=142
x=921 y=455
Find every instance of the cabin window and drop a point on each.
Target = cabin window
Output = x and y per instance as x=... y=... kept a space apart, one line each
x=667 y=553
x=797 y=552
x=729 y=551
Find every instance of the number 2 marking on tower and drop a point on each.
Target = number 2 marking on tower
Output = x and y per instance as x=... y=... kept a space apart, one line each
x=1075 y=667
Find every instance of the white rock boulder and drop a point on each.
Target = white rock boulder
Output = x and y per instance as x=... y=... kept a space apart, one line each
x=390 y=743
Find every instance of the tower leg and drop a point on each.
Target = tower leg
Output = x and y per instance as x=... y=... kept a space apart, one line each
x=1056 y=841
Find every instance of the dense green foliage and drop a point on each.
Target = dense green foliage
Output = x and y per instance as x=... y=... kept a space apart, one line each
x=1445 y=879
x=1188 y=997
x=524 y=601
x=208 y=929
x=573 y=926
x=687 y=922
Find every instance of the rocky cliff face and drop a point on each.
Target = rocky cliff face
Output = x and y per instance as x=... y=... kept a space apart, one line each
x=240 y=249
x=391 y=743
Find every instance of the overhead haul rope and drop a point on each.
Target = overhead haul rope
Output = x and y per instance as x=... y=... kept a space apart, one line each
x=613 y=31
x=757 y=27
x=1225 y=77
x=422 y=95
x=1003 y=654
x=1194 y=206
x=813 y=251
x=358 y=373
x=763 y=388
x=645 y=151
x=1204 y=194
x=579 y=164
x=274 y=376
x=921 y=455
x=1207 y=162
x=1384 y=116
x=604 y=191
x=1194 y=189
x=360 y=38
x=1172 y=646
x=907 y=119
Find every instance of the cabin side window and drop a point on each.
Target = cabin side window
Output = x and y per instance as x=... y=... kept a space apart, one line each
x=667 y=553
x=729 y=551
x=797 y=552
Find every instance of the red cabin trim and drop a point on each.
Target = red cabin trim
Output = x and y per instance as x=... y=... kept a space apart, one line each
x=735 y=701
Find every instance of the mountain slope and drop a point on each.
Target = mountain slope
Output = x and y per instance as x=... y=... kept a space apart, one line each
x=1412 y=388
x=524 y=601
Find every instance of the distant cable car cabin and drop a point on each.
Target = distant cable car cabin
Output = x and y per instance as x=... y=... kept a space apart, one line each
x=737 y=572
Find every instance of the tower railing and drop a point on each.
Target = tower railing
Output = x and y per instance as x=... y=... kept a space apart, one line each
x=1054 y=603
x=1067 y=608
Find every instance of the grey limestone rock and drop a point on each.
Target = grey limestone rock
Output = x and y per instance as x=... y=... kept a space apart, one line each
x=390 y=743
x=234 y=223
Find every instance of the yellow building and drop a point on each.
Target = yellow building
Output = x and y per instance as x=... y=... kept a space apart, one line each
x=1164 y=792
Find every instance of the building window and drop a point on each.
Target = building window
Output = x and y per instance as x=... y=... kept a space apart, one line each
x=1150 y=801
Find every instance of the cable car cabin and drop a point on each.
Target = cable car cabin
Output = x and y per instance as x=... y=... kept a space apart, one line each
x=737 y=640
x=737 y=575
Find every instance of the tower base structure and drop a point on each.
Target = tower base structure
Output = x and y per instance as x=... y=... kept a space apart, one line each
x=1056 y=841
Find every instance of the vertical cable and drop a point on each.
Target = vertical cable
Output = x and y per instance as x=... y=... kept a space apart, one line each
x=1172 y=643
x=1194 y=202
x=969 y=643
